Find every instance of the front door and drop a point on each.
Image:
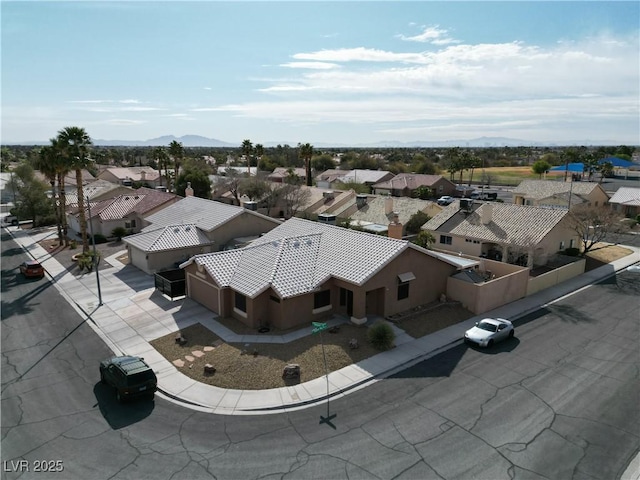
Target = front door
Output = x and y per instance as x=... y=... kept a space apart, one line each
x=346 y=300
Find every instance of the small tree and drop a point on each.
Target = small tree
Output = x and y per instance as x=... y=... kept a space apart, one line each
x=119 y=232
x=416 y=221
x=425 y=239
x=593 y=224
x=381 y=335
x=540 y=167
x=422 y=192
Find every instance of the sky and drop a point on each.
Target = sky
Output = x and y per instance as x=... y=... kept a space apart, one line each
x=339 y=72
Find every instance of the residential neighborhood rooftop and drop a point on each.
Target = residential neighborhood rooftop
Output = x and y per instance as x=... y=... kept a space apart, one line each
x=540 y=189
x=168 y=238
x=515 y=224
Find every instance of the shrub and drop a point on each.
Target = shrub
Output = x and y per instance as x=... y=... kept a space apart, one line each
x=73 y=245
x=572 y=252
x=99 y=238
x=119 y=232
x=638 y=218
x=381 y=335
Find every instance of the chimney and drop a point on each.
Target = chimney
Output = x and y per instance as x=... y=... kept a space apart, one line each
x=143 y=176
x=388 y=205
x=188 y=192
x=487 y=213
x=395 y=227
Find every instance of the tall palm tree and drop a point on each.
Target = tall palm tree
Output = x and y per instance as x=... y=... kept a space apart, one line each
x=259 y=152
x=47 y=164
x=162 y=158
x=75 y=144
x=247 y=150
x=176 y=151
x=306 y=152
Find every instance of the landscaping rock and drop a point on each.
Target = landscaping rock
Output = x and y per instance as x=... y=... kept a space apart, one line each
x=209 y=369
x=353 y=344
x=334 y=329
x=180 y=340
x=291 y=372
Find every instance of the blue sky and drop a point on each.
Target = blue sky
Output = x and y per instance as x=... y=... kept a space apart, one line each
x=322 y=72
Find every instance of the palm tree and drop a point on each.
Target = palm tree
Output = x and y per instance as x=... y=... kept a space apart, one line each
x=176 y=151
x=74 y=143
x=162 y=158
x=46 y=163
x=247 y=150
x=306 y=152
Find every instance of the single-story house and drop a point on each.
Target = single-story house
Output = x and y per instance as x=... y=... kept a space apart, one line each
x=282 y=174
x=559 y=194
x=127 y=211
x=379 y=212
x=304 y=271
x=511 y=233
x=332 y=178
x=126 y=176
x=626 y=201
x=404 y=184
x=98 y=190
x=191 y=226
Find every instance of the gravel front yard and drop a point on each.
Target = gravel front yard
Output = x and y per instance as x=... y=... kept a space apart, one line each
x=259 y=366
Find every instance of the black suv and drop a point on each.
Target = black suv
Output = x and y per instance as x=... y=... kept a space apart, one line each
x=131 y=377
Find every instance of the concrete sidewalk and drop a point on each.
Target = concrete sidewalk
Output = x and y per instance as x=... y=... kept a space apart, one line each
x=133 y=313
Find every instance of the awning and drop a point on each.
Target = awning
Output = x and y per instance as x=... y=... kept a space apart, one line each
x=406 y=277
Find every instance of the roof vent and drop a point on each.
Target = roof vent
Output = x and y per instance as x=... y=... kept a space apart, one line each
x=361 y=200
x=296 y=243
x=136 y=197
x=126 y=198
x=328 y=195
x=187 y=229
x=176 y=230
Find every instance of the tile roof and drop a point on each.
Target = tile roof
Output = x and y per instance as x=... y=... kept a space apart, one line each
x=298 y=256
x=139 y=201
x=283 y=172
x=626 y=196
x=405 y=207
x=205 y=214
x=539 y=189
x=510 y=224
x=409 y=180
x=168 y=238
x=365 y=176
x=134 y=173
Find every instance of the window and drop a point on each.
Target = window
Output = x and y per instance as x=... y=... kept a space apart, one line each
x=445 y=239
x=322 y=299
x=562 y=245
x=343 y=297
x=241 y=302
x=571 y=243
x=403 y=290
x=440 y=188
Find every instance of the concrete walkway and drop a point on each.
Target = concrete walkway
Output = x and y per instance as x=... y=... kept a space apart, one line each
x=133 y=313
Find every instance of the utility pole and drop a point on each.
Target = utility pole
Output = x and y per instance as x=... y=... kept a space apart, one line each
x=96 y=260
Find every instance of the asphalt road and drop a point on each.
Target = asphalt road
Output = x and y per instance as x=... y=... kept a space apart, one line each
x=559 y=401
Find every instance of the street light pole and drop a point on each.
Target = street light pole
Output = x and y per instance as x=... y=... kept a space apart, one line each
x=96 y=260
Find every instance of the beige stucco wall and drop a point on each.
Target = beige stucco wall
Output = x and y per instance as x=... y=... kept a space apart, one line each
x=555 y=276
x=480 y=298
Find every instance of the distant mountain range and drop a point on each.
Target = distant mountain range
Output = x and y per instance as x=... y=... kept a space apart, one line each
x=199 y=141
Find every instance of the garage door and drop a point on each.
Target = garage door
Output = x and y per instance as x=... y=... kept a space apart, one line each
x=202 y=292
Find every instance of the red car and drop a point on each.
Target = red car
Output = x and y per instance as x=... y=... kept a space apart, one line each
x=31 y=268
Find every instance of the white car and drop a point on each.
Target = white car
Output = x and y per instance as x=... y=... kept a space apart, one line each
x=488 y=331
x=634 y=269
x=446 y=200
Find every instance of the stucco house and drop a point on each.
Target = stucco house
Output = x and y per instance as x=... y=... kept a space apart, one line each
x=559 y=194
x=404 y=184
x=626 y=201
x=332 y=178
x=127 y=211
x=98 y=190
x=304 y=271
x=282 y=174
x=382 y=214
x=192 y=226
x=128 y=175
x=511 y=233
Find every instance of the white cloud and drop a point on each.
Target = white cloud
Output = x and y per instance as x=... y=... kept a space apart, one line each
x=434 y=35
x=310 y=65
x=123 y=122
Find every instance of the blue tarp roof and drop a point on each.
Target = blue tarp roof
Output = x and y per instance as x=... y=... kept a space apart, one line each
x=618 y=162
x=572 y=167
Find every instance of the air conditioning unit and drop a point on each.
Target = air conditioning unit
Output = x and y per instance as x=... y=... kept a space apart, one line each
x=251 y=205
x=327 y=218
x=466 y=204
